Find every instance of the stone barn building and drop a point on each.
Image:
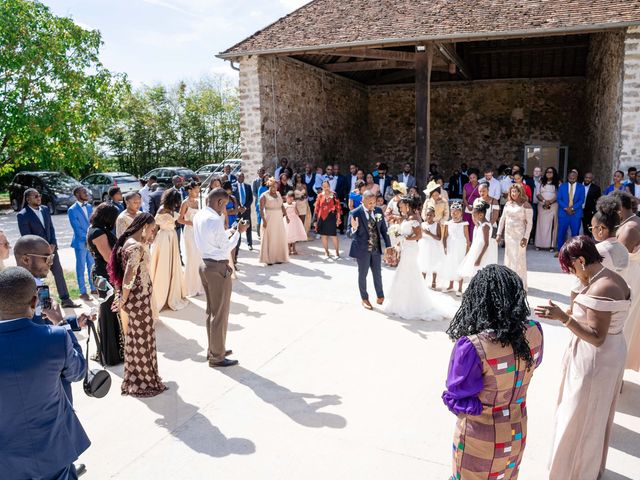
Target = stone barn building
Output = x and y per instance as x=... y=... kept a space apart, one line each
x=540 y=82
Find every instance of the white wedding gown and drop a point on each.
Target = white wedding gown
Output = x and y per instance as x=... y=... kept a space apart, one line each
x=409 y=297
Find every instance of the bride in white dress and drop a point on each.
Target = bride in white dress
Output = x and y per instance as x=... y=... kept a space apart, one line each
x=409 y=297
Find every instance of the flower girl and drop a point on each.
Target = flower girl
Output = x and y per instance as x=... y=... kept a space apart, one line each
x=478 y=255
x=455 y=242
x=294 y=227
x=431 y=251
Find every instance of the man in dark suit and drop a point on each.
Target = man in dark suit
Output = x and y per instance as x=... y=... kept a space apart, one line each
x=154 y=198
x=342 y=191
x=35 y=219
x=591 y=196
x=457 y=181
x=310 y=177
x=368 y=231
x=244 y=196
x=40 y=435
x=384 y=182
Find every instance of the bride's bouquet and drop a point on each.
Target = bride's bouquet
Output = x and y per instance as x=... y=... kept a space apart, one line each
x=394 y=230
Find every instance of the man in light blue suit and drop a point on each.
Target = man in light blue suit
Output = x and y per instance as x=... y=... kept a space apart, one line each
x=570 y=200
x=40 y=435
x=79 y=215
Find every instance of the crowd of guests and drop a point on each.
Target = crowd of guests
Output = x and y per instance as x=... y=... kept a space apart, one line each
x=134 y=242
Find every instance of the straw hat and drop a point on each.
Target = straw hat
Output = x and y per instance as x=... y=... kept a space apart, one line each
x=400 y=187
x=431 y=187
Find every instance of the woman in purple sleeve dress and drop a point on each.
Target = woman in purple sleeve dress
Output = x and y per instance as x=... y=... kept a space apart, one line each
x=497 y=349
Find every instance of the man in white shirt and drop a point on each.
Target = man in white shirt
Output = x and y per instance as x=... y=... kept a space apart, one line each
x=406 y=177
x=506 y=180
x=495 y=191
x=215 y=243
x=353 y=170
x=330 y=177
x=145 y=192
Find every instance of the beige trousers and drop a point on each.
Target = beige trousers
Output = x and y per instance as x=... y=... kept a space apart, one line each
x=217 y=282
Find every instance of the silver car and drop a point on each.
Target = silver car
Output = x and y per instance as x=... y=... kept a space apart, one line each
x=99 y=184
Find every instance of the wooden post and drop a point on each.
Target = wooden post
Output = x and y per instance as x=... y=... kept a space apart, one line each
x=424 y=63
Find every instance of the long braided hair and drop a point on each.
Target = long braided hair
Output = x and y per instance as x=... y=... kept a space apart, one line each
x=496 y=300
x=115 y=268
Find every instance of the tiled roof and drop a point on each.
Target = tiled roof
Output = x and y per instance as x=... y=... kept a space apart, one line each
x=325 y=23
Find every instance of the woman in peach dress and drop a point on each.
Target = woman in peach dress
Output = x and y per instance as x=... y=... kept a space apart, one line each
x=166 y=268
x=274 y=247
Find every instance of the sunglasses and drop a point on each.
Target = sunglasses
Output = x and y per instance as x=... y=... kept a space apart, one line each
x=49 y=258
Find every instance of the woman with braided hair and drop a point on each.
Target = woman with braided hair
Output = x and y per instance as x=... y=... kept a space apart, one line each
x=496 y=352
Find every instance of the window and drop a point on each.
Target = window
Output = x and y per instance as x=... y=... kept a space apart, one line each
x=545 y=156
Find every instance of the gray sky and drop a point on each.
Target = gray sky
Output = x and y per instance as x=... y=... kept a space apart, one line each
x=170 y=40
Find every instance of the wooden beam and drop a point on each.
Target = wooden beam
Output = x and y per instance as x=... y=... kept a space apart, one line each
x=377 y=54
x=366 y=65
x=424 y=62
x=448 y=51
x=524 y=48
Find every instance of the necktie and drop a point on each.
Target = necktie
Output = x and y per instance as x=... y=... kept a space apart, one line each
x=571 y=187
x=241 y=194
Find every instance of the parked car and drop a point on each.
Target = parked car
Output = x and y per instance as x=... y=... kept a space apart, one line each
x=164 y=174
x=99 y=184
x=218 y=168
x=56 y=189
x=206 y=170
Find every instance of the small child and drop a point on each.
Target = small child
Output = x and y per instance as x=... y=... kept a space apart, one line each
x=294 y=227
x=455 y=242
x=431 y=252
x=477 y=257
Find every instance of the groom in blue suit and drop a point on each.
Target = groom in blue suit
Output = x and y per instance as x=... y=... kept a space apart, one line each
x=40 y=435
x=369 y=230
x=79 y=214
x=570 y=200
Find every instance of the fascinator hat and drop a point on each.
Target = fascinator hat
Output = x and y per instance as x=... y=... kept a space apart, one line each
x=399 y=187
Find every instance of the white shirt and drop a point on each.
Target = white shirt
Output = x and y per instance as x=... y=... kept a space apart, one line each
x=495 y=190
x=83 y=208
x=354 y=179
x=333 y=181
x=586 y=192
x=319 y=180
x=38 y=309
x=383 y=184
x=505 y=184
x=211 y=238
x=405 y=178
x=38 y=212
x=145 y=195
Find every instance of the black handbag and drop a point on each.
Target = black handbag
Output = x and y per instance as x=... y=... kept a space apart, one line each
x=97 y=382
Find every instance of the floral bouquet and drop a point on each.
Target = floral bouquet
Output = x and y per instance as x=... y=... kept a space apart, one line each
x=394 y=230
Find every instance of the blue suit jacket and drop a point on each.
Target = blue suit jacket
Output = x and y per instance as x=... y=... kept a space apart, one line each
x=39 y=431
x=360 y=238
x=79 y=224
x=563 y=199
x=29 y=224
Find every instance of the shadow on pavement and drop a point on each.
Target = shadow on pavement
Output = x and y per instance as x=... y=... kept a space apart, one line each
x=625 y=440
x=189 y=426
x=422 y=328
x=609 y=475
x=173 y=346
x=546 y=295
x=628 y=401
x=302 y=408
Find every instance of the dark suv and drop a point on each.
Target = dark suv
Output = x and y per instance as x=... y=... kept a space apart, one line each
x=56 y=189
x=165 y=174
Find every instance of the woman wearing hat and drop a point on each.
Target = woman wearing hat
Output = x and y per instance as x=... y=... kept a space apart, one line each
x=436 y=202
x=392 y=213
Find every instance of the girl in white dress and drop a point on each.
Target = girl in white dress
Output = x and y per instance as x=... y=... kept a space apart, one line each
x=455 y=243
x=294 y=227
x=430 y=247
x=409 y=297
x=480 y=254
x=193 y=257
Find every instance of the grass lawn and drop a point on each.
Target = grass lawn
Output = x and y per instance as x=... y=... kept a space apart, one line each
x=72 y=285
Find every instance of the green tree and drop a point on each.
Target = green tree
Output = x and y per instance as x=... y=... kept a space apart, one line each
x=55 y=95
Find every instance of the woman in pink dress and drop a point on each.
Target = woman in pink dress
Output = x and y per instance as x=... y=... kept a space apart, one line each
x=469 y=194
x=294 y=227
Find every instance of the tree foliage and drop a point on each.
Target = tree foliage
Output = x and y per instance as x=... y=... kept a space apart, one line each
x=55 y=95
x=189 y=125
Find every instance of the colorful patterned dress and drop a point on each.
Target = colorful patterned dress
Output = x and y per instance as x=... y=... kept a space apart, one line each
x=141 y=377
x=487 y=389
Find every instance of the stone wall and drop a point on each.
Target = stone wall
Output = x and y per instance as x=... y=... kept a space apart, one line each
x=250 y=116
x=630 y=128
x=603 y=99
x=479 y=122
x=309 y=115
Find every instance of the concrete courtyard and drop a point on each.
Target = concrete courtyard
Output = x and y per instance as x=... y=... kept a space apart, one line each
x=324 y=388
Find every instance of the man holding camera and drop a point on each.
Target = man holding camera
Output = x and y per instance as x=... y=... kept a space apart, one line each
x=40 y=435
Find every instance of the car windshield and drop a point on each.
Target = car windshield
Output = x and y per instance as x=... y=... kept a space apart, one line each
x=125 y=179
x=59 y=182
x=186 y=173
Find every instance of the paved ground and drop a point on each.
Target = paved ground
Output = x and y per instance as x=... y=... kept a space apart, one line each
x=324 y=389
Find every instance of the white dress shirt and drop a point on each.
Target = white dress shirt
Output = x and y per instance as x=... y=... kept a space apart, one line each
x=83 y=208
x=586 y=192
x=354 y=179
x=495 y=190
x=212 y=240
x=38 y=212
x=383 y=184
x=145 y=195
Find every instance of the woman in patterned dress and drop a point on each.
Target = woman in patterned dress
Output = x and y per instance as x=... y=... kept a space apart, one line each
x=496 y=352
x=129 y=272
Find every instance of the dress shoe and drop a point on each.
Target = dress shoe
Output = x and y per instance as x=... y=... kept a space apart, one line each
x=366 y=304
x=86 y=297
x=224 y=363
x=380 y=301
x=251 y=248
x=228 y=352
x=68 y=303
x=557 y=254
x=81 y=469
x=94 y=292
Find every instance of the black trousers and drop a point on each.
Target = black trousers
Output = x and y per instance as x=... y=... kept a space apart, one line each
x=58 y=275
x=371 y=261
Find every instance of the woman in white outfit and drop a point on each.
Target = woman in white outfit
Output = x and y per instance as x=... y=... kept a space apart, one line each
x=193 y=258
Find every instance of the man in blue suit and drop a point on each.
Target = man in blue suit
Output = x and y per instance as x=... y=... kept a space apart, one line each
x=79 y=214
x=570 y=200
x=369 y=230
x=40 y=435
x=35 y=219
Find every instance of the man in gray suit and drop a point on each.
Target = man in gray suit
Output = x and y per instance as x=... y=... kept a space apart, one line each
x=406 y=177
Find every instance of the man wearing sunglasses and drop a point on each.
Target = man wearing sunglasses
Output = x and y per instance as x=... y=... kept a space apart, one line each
x=35 y=219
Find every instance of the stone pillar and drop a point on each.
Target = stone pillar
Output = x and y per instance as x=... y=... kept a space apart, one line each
x=630 y=134
x=250 y=116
